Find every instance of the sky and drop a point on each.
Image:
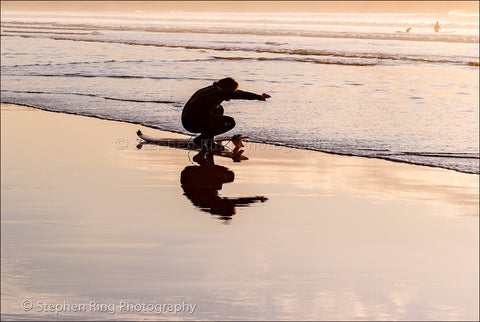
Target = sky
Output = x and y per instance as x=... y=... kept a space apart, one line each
x=250 y=6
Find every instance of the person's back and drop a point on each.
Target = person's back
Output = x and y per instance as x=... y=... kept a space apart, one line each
x=437 y=27
x=202 y=103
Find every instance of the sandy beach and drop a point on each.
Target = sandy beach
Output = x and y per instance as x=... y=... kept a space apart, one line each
x=95 y=228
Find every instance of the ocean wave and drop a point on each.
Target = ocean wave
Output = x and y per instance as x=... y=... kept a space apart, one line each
x=464 y=14
x=39 y=26
x=299 y=52
x=274 y=43
x=456 y=18
x=251 y=30
x=82 y=75
x=49 y=32
x=93 y=95
x=305 y=60
x=75 y=63
x=139 y=101
x=443 y=155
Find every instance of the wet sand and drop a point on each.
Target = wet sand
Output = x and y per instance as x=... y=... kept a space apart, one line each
x=95 y=228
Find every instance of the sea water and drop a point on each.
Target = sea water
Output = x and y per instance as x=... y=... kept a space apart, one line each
x=352 y=84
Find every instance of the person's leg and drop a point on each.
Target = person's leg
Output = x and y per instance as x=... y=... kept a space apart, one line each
x=212 y=126
x=219 y=125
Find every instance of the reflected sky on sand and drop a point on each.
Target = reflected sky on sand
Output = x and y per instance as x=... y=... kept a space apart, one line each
x=86 y=216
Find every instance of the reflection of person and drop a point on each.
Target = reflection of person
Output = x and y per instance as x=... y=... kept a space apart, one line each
x=202 y=183
x=437 y=27
x=204 y=114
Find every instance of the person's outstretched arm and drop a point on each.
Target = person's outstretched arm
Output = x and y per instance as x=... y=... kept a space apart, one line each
x=239 y=94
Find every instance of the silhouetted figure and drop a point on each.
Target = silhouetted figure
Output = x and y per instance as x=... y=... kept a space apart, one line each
x=408 y=29
x=204 y=114
x=201 y=185
x=437 y=27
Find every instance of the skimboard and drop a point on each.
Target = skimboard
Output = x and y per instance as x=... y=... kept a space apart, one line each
x=187 y=144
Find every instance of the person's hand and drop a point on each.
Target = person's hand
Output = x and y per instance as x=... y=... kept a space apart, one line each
x=265 y=96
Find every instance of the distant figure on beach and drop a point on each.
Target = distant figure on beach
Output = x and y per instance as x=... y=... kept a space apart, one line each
x=203 y=113
x=437 y=27
x=406 y=30
x=202 y=183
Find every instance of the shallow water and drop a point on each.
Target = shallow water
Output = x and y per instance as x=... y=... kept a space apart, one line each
x=348 y=84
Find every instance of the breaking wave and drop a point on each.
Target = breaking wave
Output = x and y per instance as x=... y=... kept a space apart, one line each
x=286 y=51
x=258 y=31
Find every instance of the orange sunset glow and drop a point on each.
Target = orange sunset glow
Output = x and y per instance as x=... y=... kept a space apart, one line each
x=248 y=6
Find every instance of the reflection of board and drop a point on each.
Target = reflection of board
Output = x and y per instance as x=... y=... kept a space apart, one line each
x=188 y=144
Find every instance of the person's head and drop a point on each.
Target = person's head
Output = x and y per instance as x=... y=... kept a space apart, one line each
x=228 y=84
